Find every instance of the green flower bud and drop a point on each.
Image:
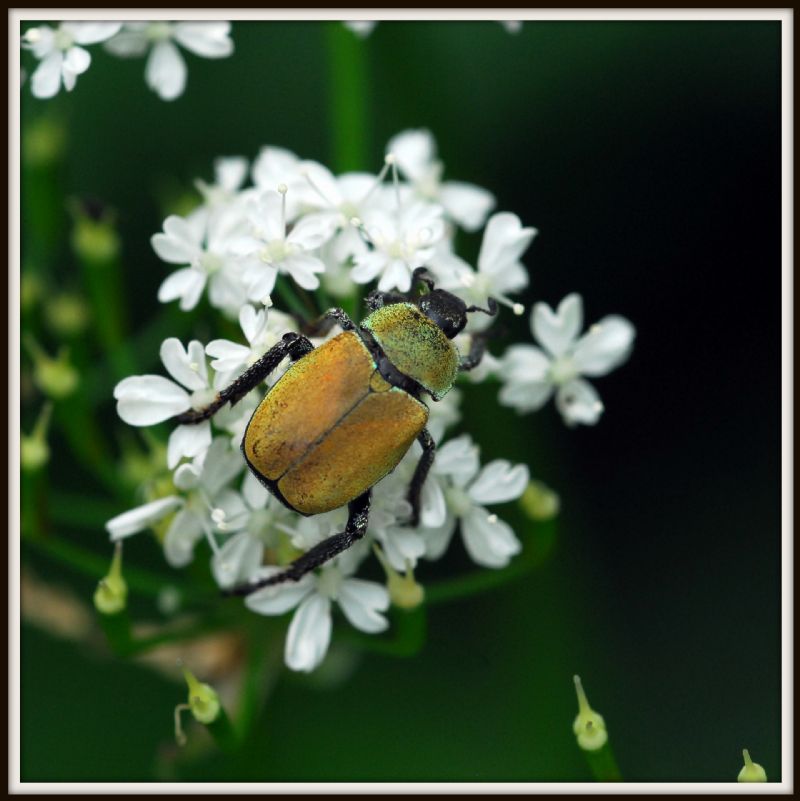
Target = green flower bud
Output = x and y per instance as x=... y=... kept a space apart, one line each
x=752 y=771
x=95 y=241
x=34 y=450
x=111 y=595
x=589 y=726
x=203 y=699
x=43 y=141
x=67 y=314
x=403 y=590
x=539 y=502
x=57 y=378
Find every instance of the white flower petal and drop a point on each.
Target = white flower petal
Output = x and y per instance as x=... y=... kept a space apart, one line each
x=183 y=284
x=143 y=400
x=77 y=60
x=313 y=231
x=504 y=242
x=221 y=465
x=186 y=366
x=181 y=537
x=165 y=72
x=186 y=477
x=606 y=346
x=414 y=151
x=362 y=602
x=467 y=204
x=499 y=482
x=302 y=268
x=458 y=459
x=579 y=402
x=237 y=560
x=86 y=33
x=437 y=539
x=207 y=39
x=309 y=634
x=230 y=172
x=188 y=441
x=279 y=598
x=254 y=492
x=556 y=331
x=46 y=79
x=489 y=541
x=227 y=356
x=433 y=508
x=525 y=396
x=141 y=517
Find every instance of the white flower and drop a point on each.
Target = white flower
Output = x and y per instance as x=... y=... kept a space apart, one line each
x=309 y=635
x=262 y=329
x=500 y=271
x=360 y=27
x=275 y=166
x=165 y=71
x=403 y=241
x=205 y=506
x=456 y=491
x=200 y=241
x=229 y=175
x=531 y=375
x=415 y=154
x=268 y=249
x=61 y=58
x=144 y=400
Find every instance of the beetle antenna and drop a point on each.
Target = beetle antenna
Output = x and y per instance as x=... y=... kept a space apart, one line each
x=491 y=311
x=358 y=224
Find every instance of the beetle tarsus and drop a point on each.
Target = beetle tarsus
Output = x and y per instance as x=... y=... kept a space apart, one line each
x=321 y=553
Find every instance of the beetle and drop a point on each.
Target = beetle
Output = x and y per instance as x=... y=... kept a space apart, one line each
x=344 y=414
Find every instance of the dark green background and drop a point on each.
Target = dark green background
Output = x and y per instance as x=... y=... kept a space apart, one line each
x=648 y=156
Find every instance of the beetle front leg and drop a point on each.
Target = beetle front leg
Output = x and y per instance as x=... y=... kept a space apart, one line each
x=420 y=474
x=292 y=345
x=321 y=553
x=322 y=325
x=477 y=350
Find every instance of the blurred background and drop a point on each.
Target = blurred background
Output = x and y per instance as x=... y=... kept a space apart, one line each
x=648 y=156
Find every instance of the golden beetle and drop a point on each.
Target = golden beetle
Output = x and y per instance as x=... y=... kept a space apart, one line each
x=344 y=414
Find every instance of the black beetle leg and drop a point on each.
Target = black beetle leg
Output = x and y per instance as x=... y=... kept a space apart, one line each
x=420 y=474
x=477 y=350
x=377 y=299
x=356 y=528
x=293 y=345
x=322 y=325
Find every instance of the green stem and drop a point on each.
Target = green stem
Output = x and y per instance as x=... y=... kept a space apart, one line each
x=533 y=554
x=349 y=118
x=603 y=764
x=285 y=291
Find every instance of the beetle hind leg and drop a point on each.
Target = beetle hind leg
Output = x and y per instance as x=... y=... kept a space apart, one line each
x=322 y=552
x=292 y=345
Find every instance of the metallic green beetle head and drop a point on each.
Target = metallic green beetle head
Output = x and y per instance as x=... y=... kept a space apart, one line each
x=416 y=336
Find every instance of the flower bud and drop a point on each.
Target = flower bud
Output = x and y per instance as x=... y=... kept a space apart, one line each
x=589 y=727
x=67 y=314
x=203 y=699
x=539 y=502
x=752 y=771
x=57 y=378
x=34 y=450
x=94 y=236
x=404 y=591
x=111 y=595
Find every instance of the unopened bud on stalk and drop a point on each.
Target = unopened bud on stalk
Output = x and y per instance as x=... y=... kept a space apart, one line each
x=111 y=595
x=55 y=377
x=589 y=726
x=404 y=591
x=539 y=502
x=67 y=314
x=752 y=771
x=203 y=699
x=94 y=237
x=34 y=450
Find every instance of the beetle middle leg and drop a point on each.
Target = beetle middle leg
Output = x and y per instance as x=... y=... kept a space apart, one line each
x=324 y=551
x=420 y=474
x=292 y=345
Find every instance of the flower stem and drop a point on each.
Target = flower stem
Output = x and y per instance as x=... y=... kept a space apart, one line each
x=349 y=118
x=603 y=764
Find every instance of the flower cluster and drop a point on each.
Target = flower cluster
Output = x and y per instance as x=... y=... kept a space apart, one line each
x=291 y=227
x=62 y=55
